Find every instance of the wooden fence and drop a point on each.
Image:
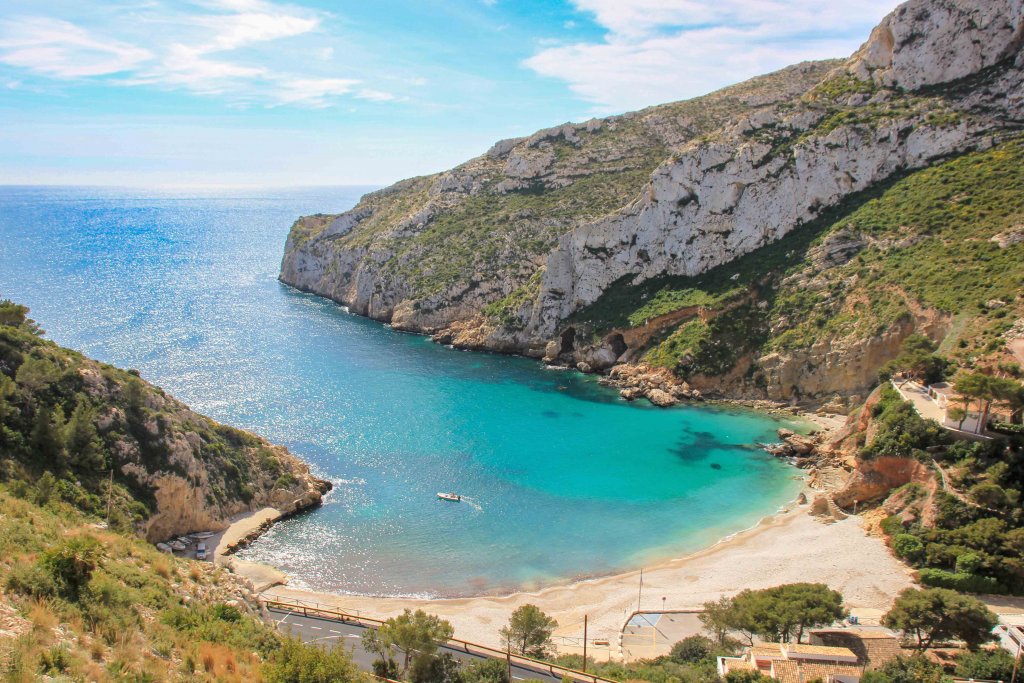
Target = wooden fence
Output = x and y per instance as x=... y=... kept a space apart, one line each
x=312 y=609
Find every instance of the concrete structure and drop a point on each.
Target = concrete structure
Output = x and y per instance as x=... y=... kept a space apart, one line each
x=935 y=401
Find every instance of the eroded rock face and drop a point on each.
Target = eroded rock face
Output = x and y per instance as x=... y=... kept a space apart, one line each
x=185 y=504
x=925 y=43
x=720 y=199
x=874 y=479
x=936 y=78
x=383 y=259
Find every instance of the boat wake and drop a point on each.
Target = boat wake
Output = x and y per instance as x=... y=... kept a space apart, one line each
x=473 y=503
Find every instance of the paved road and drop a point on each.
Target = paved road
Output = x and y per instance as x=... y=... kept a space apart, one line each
x=349 y=636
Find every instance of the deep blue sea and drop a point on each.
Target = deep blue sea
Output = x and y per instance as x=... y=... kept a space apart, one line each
x=562 y=478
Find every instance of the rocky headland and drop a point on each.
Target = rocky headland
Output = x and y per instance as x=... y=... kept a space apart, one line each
x=594 y=244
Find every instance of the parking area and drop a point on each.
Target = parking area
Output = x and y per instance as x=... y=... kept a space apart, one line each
x=652 y=634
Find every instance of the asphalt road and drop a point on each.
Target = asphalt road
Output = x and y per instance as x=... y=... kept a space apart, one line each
x=349 y=635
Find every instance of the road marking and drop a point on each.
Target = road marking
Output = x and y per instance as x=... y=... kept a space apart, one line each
x=333 y=631
x=352 y=635
x=317 y=628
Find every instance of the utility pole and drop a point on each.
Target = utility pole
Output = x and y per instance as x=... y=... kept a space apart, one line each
x=508 y=659
x=1016 y=662
x=640 y=593
x=110 y=494
x=584 y=643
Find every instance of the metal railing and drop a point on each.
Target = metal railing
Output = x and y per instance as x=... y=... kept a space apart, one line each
x=334 y=614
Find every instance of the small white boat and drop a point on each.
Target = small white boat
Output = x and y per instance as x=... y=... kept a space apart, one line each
x=178 y=545
x=453 y=497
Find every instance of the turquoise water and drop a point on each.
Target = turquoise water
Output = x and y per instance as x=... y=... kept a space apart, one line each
x=562 y=478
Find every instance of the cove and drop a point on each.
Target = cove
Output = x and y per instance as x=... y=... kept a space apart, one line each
x=561 y=478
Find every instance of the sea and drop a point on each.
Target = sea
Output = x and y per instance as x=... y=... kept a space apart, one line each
x=560 y=478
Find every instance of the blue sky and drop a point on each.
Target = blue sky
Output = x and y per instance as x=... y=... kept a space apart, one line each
x=259 y=92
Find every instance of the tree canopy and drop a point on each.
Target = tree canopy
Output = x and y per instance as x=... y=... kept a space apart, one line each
x=414 y=633
x=781 y=613
x=936 y=614
x=529 y=631
x=917 y=359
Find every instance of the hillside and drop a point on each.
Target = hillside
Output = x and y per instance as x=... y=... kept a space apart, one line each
x=92 y=458
x=98 y=437
x=458 y=240
x=78 y=603
x=543 y=245
x=937 y=250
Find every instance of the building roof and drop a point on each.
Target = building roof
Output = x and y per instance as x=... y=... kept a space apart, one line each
x=790 y=671
x=873 y=647
x=822 y=650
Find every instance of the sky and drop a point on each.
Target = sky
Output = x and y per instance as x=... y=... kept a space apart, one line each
x=313 y=92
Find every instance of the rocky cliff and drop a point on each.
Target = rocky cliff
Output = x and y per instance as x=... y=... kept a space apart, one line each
x=115 y=446
x=521 y=250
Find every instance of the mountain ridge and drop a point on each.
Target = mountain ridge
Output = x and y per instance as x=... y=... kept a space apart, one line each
x=935 y=79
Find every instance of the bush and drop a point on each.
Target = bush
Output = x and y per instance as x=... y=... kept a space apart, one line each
x=71 y=564
x=968 y=563
x=965 y=583
x=908 y=546
x=295 y=662
x=747 y=677
x=916 y=669
x=486 y=671
x=892 y=525
x=286 y=481
x=993 y=665
x=692 y=649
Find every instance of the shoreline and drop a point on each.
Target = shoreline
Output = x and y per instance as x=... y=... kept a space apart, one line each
x=786 y=547
x=783 y=547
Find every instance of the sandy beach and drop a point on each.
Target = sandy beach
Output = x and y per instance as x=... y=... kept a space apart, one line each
x=242 y=528
x=789 y=547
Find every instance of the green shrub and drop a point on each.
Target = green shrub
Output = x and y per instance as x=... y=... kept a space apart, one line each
x=915 y=669
x=286 y=481
x=692 y=649
x=295 y=661
x=908 y=547
x=965 y=583
x=992 y=665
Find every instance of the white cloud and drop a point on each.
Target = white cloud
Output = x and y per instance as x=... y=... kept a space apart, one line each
x=237 y=30
x=230 y=48
x=662 y=50
x=312 y=91
x=60 y=49
x=375 y=95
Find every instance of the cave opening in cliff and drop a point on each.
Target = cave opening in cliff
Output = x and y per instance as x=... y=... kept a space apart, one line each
x=568 y=338
x=617 y=344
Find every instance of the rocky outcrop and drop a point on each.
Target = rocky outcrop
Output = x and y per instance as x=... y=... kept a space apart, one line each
x=771 y=171
x=874 y=479
x=183 y=501
x=431 y=253
x=677 y=190
x=657 y=385
x=929 y=43
x=195 y=473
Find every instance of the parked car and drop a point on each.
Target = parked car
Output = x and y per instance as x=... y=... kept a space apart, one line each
x=201 y=551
